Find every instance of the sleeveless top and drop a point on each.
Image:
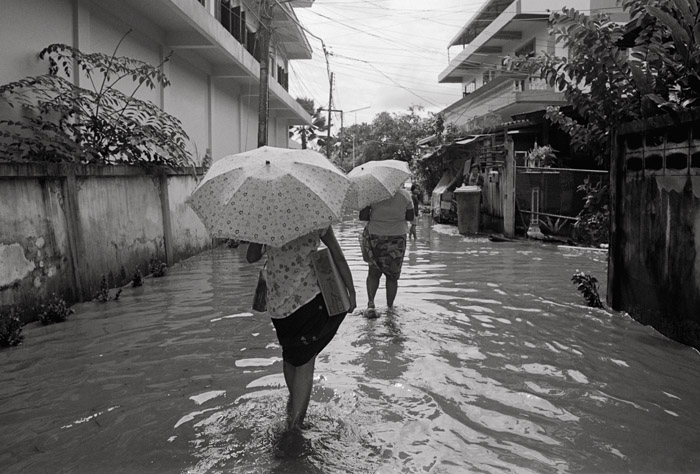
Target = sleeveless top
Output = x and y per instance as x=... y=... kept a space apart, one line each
x=388 y=217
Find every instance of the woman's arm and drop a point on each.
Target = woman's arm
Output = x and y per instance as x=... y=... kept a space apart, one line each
x=254 y=253
x=410 y=211
x=339 y=258
x=365 y=213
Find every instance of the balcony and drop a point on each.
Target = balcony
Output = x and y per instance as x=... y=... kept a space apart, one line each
x=197 y=31
x=233 y=19
x=506 y=96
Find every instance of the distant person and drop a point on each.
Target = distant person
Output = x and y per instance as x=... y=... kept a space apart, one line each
x=387 y=227
x=298 y=311
x=415 y=195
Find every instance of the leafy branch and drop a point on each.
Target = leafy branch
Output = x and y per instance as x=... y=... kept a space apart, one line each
x=63 y=122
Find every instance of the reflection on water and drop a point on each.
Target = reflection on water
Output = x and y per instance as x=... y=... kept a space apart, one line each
x=489 y=363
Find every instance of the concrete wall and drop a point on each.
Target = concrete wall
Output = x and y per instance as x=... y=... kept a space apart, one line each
x=35 y=257
x=654 y=267
x=226 y=109
x=61 y=235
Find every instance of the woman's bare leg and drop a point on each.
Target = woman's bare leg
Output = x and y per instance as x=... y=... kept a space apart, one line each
x=300 y=384
x=372 y=284
x=392 y=287
x=289 y=371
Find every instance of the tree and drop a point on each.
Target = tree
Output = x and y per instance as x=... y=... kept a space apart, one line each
x=390 y=136
x=309 y=134
x=62 y=122
x=428 y=170
x=605 y=84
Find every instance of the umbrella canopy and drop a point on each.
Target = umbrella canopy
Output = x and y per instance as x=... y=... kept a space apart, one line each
x=270 y=195
x=376 y=181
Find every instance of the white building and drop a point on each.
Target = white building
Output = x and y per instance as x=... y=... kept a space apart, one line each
x=506 y=28
x=64 y=228
x=213 y=70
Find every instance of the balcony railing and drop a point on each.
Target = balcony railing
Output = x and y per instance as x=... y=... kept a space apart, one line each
x=502 y=95
x=531 y=84
x=233 y=19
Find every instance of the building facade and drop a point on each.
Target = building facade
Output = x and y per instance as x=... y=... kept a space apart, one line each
x=214 y=68
x=65 y=227
x=490 y=94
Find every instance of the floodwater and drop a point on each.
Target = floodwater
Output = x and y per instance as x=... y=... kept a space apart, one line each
x=490 y=363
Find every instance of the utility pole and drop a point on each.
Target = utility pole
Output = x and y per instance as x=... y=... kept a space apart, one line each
x=353 y=150
x=330 y=104
x=264 y=34
x=353 y=135
x=341 y=130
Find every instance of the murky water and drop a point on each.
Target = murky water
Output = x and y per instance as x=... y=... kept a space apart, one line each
x=490 y=363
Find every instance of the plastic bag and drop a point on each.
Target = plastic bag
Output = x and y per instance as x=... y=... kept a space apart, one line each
x=260 y=298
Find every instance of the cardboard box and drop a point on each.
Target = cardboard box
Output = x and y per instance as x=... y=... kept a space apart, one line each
x=335 y=294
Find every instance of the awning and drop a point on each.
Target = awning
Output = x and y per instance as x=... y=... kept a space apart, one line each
x=466 y=141
x=426 y=140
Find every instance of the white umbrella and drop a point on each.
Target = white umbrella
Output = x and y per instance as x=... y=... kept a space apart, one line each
x=270 y=195
x=376 y=181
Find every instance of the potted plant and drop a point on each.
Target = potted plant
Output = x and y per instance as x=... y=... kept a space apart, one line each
x=541 y=157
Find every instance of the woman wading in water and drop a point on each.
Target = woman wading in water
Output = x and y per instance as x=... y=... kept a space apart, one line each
x=298 y=312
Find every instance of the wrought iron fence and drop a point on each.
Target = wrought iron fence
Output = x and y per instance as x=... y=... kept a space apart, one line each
x=548 y=197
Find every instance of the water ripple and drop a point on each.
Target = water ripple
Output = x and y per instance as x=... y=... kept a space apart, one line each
x=489 y=363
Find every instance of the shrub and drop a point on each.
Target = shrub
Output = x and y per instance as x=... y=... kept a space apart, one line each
x=10 y=328
x=593 y=224
x=56 y=311
x=157 y=268
x=138 y=278
x=588 y=286
x=103 y=293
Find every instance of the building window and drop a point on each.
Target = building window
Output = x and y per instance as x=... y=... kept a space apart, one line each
x=225 y=14
x=232 y=19
x=252 y=44
x=237 y=22
x=283 y=77
x=488 y=76
x=469 y=88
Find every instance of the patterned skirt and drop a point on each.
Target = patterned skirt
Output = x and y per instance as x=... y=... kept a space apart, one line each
x=307 y=331
x=386 y=254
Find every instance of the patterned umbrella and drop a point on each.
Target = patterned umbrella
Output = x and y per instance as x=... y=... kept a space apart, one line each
x=270 y=195
x=375 y=181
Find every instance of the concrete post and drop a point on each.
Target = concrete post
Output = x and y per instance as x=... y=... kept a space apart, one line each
x=70 y=202
x=616 y=231
x=509 y=190
x=165 y=212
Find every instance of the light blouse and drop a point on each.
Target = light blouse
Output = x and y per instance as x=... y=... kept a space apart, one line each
x=388 y=217
x=291 y=279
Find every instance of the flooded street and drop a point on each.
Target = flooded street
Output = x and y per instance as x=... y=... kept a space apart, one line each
x=490 y=363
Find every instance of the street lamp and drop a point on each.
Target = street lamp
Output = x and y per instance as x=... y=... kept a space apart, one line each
x=353 y=136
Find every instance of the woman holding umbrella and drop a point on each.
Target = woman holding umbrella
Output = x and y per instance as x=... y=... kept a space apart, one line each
x=298 y=312
x=387 y=228
x=378 y=191
x=283 y=202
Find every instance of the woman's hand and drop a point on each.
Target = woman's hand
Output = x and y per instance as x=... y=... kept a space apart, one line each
x=254 y=253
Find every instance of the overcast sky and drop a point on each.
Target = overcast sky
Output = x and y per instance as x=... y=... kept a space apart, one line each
x=385 y=54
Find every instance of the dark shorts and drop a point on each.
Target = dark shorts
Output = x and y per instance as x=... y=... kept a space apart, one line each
x=306 y=332
x=387 y=252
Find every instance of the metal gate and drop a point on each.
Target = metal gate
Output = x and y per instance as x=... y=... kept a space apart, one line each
x=548 y=199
